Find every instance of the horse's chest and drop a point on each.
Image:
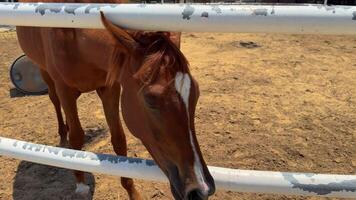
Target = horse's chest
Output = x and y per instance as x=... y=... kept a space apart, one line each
x=84 y=80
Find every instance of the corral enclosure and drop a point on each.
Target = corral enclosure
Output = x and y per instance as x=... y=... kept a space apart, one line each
x=268 y=102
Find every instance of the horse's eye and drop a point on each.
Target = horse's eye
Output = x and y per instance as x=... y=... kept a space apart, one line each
x=151 y=100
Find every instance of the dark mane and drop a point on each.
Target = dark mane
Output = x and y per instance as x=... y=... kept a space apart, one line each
x=160 y=54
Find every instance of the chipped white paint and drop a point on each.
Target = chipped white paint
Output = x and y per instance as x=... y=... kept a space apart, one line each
x=305 y=19
x=331 y=185
x=82 y=189
x=182 y=85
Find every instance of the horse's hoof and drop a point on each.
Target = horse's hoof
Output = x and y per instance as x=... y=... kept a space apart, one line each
x=64 y=143
x=82 y=189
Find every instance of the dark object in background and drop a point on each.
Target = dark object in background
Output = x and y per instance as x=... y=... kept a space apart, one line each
x=26 y=77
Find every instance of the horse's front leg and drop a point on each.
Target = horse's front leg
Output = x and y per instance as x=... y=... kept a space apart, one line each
x=110 y=98
x=62 y=128
x=68 y=98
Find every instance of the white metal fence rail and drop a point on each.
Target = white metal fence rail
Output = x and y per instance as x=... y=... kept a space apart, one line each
x=227 y=179
x=318 y=19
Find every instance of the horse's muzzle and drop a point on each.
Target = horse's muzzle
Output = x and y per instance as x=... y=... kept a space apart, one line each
x=197 y=194
x=180 y=190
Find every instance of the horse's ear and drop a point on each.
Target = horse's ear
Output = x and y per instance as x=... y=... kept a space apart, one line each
x=175 y=38
x=125 y=39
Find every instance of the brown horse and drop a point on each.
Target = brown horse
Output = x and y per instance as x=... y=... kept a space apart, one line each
x=158 y=96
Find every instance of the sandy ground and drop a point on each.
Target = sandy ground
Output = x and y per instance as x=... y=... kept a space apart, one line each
x=268 y=102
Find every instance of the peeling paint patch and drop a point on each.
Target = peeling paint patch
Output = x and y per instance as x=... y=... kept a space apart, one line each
x=217 y=9
x=93 y=157
x=37 y=147
x=329 y=8
x=272 y=12
x=260 y=12
x=68 y=153
x=32 y=147
x=105 y=157
x=150 y=163
x=81 y=155
x=16 y=6
x=310 y=175
x=120 y=159
x=188 y=12
x=70 y=9
x=354 y=15
x=97 y=7
x=322 y=189
x=56 y=8
x=205 y=14
x=111 y=158
x=54 y=150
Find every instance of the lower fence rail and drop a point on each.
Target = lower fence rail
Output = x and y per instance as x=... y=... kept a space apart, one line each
x=307 y=184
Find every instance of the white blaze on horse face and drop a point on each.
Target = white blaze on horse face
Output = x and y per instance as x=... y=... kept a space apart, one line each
x=182 y=85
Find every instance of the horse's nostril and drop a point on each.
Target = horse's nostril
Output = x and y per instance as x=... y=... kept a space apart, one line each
x=211 y=191
x=197 y=195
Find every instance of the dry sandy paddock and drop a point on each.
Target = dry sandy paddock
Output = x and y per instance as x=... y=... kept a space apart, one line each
x=268 y=102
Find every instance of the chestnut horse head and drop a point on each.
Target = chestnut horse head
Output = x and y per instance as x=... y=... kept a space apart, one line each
x=158 y=105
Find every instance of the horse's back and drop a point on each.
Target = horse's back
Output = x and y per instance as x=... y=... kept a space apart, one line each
x=31 y=43
x=77 y=57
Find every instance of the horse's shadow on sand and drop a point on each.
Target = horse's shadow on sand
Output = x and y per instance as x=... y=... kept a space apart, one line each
x=41 y=182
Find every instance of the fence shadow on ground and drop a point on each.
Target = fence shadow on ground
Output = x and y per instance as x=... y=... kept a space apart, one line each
x=94 y=134
x=15 y=93
x=40 y=182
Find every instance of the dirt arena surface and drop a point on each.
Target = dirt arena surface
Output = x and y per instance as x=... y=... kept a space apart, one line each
x=268 y=102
